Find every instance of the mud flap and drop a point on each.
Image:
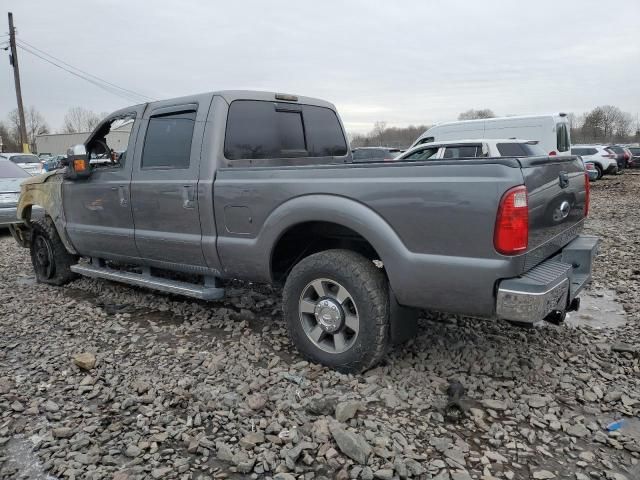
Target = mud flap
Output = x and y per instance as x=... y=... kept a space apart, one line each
x=404 y=321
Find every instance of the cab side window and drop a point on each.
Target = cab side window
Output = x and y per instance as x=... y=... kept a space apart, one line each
x=463 y=151
x=423 y=154
x=107 y=147
x=167 y=143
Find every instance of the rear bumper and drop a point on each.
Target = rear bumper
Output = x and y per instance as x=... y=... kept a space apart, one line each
x=550 y=286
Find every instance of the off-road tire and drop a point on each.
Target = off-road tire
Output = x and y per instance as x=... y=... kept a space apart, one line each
x=45 y=235
x=367 y=286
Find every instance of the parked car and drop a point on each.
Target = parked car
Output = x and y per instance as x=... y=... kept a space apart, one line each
x=551 y=131
x=603 y=158
x=11 y=176
x=262 y=186
x=635 y=152
x=374 y=154
x=473 y=149
x=27 y=161
x=53 y=163
x=623 y=156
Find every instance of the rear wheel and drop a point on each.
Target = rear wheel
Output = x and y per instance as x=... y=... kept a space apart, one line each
x=336 y=304
x=51 y=260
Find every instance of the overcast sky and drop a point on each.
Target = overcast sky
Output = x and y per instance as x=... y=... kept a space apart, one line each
x=403 y=62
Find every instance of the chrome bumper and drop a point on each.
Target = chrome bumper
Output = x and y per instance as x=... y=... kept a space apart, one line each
x=549 y=286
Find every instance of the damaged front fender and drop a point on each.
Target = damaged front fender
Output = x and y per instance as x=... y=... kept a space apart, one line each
x=44 y=191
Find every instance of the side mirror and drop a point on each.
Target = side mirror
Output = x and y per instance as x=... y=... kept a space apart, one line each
x=78 y=166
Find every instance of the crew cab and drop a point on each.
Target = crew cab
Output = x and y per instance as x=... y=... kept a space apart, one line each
x=262 y=186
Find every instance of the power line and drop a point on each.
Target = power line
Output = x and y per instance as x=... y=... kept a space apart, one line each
x=82 y=71
x=114 y=91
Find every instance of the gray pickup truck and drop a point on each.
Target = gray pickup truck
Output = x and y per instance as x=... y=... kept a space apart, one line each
x=261 y=186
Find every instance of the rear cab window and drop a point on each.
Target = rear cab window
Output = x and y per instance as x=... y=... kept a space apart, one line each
x=259 y=129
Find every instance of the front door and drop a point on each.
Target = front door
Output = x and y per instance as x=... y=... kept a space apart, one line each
x=164 y=185
x=99 y=219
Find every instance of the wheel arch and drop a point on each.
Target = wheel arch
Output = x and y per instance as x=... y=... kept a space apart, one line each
x=354 y=225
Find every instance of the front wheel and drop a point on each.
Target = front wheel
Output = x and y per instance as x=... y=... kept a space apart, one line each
x=51 y=260
x=336 y=305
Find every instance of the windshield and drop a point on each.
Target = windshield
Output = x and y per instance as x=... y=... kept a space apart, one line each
x=9 y=170
x=24 y=159
x=513 y=149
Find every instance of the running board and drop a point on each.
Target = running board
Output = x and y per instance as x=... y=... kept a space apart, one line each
x=202 y=292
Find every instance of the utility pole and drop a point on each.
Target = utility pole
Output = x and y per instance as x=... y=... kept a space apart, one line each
x=24 y=140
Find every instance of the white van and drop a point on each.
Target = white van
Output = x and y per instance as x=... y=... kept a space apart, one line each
x=550 y=131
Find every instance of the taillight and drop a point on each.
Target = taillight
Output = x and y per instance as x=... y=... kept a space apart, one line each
x=552 y=153
x=511 y=234
x=587 y=194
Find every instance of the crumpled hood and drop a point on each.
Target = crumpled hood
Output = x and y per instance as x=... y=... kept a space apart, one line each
x=39 y=178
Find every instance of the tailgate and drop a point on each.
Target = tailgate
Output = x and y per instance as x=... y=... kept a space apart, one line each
x=557 y=193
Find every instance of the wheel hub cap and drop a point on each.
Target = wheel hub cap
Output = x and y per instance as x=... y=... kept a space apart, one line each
x=329 y=315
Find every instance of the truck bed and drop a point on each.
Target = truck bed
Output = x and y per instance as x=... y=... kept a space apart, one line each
x=430 y=223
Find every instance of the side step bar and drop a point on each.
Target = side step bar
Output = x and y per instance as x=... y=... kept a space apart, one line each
x=202 y=292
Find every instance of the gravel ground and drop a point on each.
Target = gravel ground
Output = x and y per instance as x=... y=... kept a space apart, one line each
x=174 y=388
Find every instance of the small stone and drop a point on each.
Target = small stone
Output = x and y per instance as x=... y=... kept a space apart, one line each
x=460 y=475
x=351 y=444
x=543 y=475
x=331 y=453
x=628 y=401
x=252 y=439
x=283 y=476
x=161 y=472
x=587 y=456
x=347 y=410
x=578 y=430
x=498 y=405
x=62 y=432
x=132 y=451
x=256 y=401
x=367 y=473
x=51 y=406
x=17 y=406
x=538 y=401
x=224 y=452
x=85 y=360
x=384 y=474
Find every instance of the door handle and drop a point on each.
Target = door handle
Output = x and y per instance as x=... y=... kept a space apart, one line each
x=188 y=197
x=122 y=193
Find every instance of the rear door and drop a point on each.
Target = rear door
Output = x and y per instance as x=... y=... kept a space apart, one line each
x=164 y=184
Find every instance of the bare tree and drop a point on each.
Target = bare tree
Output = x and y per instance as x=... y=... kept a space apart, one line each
x=79 y=119
x=381 y=135
x=8 y=142
x=36 y=125
x=475 y=114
